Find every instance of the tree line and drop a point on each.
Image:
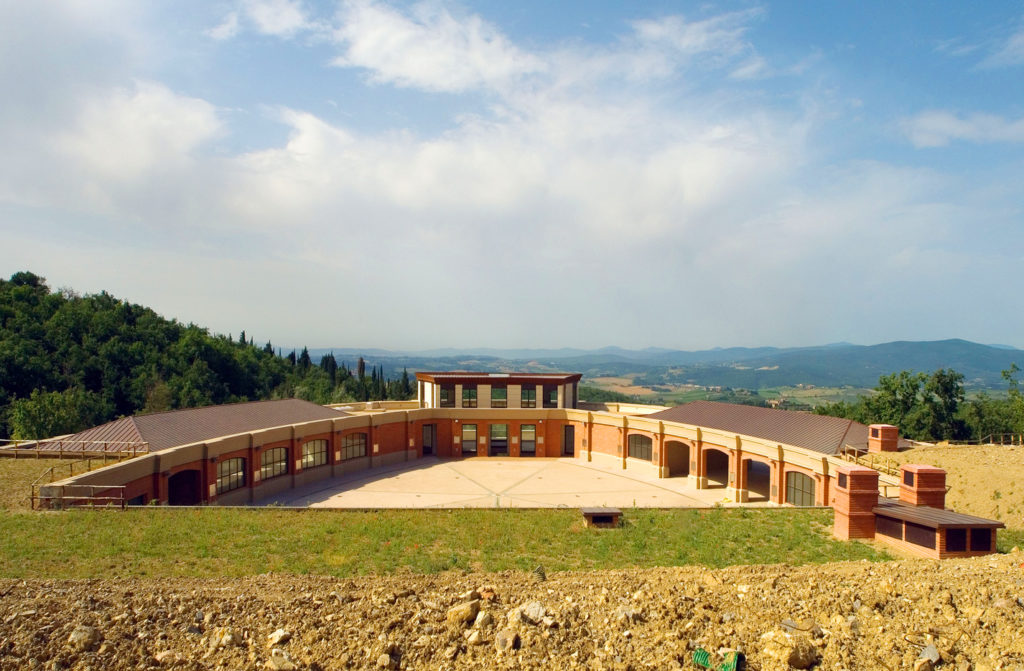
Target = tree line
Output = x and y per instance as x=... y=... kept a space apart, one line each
x=932 y=407
x=68 y=362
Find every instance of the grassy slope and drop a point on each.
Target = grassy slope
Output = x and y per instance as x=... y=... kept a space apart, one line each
x=232 y=542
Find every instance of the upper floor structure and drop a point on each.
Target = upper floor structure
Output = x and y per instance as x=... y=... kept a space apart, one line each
x=463 y=389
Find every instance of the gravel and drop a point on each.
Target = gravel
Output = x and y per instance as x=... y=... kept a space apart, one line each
x=955 y=614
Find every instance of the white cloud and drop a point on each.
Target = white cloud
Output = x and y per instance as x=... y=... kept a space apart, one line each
x=130 y=132
x=937 y=128
x=282 y=18
x=633 y=178
x=720 y=35
x=227 y=29
x=1008 y=53
x=430 y=49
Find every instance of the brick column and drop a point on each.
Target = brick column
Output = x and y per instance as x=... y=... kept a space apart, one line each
x=853 y=497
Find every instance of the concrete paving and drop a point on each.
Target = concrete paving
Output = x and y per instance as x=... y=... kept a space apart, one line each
x=496 y=482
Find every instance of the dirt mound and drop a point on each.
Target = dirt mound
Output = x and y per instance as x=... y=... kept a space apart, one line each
x=984 y=480
x=962 y=614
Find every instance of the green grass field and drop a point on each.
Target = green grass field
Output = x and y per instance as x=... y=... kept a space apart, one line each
x=208 y=542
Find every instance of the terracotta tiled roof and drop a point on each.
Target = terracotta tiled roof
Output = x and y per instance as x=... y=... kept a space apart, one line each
x=819 y=433
x=162 y=430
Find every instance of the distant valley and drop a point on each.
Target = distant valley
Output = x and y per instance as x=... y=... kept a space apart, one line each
x=676 y=373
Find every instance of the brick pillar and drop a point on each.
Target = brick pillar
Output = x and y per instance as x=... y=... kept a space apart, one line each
x=922 y=485
x=854 y=495
x=883 y=438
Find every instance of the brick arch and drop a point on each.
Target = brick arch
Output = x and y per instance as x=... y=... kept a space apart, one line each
x=677 y=458
x=715 y=465
x=755 y=476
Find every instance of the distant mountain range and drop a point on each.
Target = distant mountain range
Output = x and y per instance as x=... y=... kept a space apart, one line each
x=837 y=364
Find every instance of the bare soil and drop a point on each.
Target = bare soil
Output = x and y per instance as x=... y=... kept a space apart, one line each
x=855 y=615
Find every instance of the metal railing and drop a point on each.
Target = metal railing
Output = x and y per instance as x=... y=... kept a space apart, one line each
x=113 y=497
x=68 y=448
x=54 y=473
x=990 y=439
x=880 y=463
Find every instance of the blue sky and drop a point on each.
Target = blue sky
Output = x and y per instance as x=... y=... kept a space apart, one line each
x=528 y=174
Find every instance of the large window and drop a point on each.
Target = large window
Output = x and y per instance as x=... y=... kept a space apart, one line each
x=499 y=397
x=550 y=396
x=528 y=439
x=640 y=447
x=799 y=489
x=230 y=475
x=981 y=540
x=314 y=453
x=273 y=462
x=528 y=396
x=447 y=396
x=469 y=438
x=469 y=396
x=499 y=440
x=353 y=446
x=956 y=540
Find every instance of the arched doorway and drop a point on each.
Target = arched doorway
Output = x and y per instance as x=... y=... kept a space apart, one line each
x=184 y=488
x=799 y=489
x=758 y=478
x=677 y=458
x=716 y=468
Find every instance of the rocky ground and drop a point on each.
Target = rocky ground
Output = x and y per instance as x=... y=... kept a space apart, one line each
x=915 y=614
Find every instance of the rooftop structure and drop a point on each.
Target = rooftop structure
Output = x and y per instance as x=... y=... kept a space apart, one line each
x=164 y=430
x=466 y=389
x=820 y=433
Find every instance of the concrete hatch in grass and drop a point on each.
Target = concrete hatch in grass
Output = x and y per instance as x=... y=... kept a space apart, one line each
x=602 y=518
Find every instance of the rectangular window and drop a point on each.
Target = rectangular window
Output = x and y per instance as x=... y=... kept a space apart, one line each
x=469 y=438
x=230 y=475
x=447 y=396
x=842 y=481
x=908 y=478
x=956 y=540
x=499 y=397
x=887 y=526
x=469 y=396
x=919 y=534
x=550 y=396
x=528 y=439
x=353 y=446
x=314 y=453
x=640 y=447
x=799 y=489
x=528 y=396
x=981 y=540
x=274 y=462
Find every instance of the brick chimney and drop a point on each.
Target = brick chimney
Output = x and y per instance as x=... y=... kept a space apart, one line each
x=922 y=485
x=854 y=494
x=883 y=438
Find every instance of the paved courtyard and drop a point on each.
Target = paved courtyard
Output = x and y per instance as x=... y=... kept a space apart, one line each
x=495 y=482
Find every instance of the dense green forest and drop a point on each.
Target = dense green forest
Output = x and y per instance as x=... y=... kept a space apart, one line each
x=933 y=407
x=68 y=362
